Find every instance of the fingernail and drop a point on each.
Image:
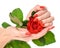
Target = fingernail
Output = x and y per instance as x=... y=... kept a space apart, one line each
x=42 y=7
x=35 y=15
x=51 y=28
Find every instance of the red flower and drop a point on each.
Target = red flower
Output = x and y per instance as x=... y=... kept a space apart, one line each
x=34 y=26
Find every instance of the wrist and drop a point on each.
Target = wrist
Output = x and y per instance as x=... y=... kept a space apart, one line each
x=4 y=40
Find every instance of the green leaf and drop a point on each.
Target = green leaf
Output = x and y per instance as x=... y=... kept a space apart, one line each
x=49 y=38
x=17 y=44
x=25 y=22
x=39 y=42
x=18 y=13
x=16 y=16
x=33 y=13
x=8 y=46
x=5 y=25
x=45 y=40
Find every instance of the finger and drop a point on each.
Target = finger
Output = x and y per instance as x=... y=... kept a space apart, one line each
x=48 y=20
x=48 y=24
x=50 y=27
x=36 y=8
x=42 y=33
x=44 y=16
x=39 y=13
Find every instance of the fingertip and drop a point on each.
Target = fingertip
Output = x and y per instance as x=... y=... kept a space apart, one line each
x=42 y=7
x=51 y=27
x=48 y=24
x=52 y=17
x=35 y=15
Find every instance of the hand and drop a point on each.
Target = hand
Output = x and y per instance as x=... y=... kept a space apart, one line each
x=43 y=15
x=46 y=18
x=11 y=33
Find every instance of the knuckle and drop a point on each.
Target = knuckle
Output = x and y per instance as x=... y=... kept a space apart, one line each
x=48 y=13
x=52 y=17
x=37 y=5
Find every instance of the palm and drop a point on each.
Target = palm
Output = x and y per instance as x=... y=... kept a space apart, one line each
x=25 y=36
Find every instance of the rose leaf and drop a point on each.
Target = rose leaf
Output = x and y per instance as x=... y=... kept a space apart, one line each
x=16 y=16
x=17 y=44
x=45 y=40
x=33 y=13
x=5 y=25
x=39 y=42
x=49 y=38
x=25 y=22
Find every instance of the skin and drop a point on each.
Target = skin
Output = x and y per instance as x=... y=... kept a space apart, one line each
x=12 y=33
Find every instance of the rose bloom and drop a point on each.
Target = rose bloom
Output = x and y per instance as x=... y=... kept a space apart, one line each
x=34 y=25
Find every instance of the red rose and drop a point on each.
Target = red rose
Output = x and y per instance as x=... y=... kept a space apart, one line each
x=34 y=26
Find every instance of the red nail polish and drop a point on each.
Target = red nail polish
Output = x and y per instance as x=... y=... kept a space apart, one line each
x=36 y=15
x=42 y=7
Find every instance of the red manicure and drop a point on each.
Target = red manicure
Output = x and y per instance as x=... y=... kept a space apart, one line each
x=42 y=7
x=36 y=15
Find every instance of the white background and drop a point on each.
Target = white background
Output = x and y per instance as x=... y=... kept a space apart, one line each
x=6 y=6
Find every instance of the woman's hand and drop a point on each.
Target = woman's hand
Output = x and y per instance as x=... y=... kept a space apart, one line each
x=44 y=15
x=12 y=33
